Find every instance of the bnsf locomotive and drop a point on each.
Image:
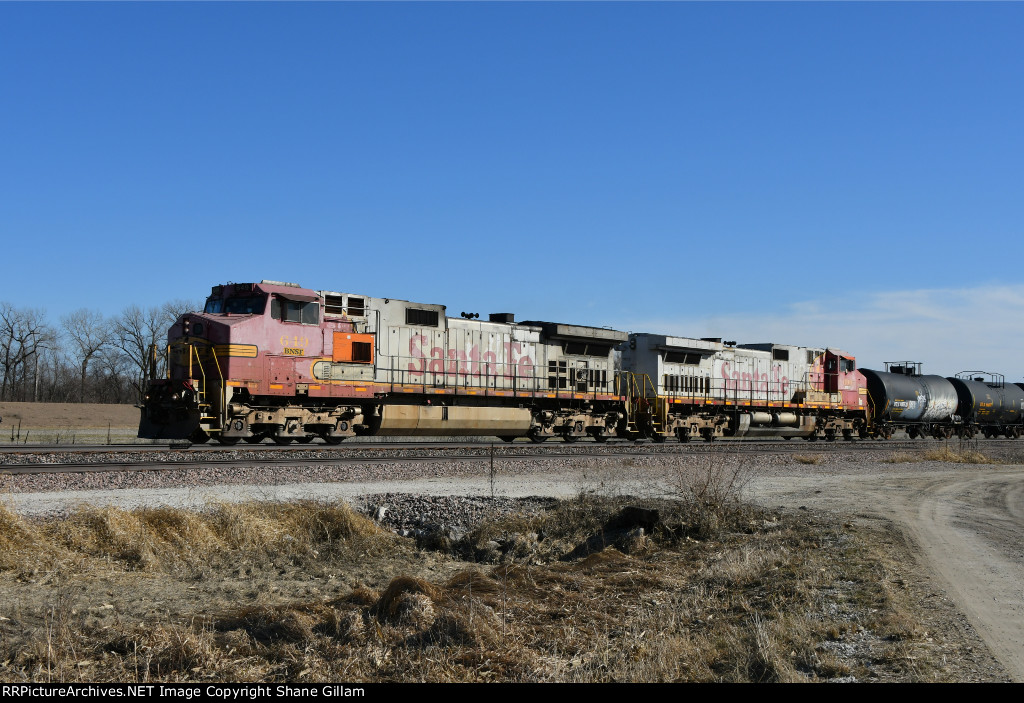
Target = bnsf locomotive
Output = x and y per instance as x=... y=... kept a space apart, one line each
x=274 y=360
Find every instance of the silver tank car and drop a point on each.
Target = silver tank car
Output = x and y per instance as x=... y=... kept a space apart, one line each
x=901 y=396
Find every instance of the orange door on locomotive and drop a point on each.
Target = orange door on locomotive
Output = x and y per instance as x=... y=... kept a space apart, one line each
x=352 y=348
x=841 y=377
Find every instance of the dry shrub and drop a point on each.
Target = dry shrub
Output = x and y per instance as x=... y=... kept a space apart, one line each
x=709 y=489
x=113 y=532
x=965 y=456
x=602 y=559
x=414 y=610
x=153 y=538
x=181 y=533
x=268 y=624
x=904 y=458
x=176 y=648
x=359 y=596
x=323 y=525
x=807 y=458
x=767 y=660
x=345 y=625
x=19 y=541
x=508 y=524
x=468 y=624
x=746 y=565
x=165 y=651
x=387 y=606
x=946 y=454
x=579 y=517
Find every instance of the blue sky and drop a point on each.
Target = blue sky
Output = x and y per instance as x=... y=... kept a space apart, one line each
x=824 y=174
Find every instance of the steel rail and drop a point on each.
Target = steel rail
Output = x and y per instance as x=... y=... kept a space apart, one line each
x=467 y=453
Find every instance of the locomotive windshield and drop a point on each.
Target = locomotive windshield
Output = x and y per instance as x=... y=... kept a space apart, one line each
x=246 y=305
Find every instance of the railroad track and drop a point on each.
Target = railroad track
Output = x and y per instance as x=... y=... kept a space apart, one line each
x=111 y=458
x=773 y=443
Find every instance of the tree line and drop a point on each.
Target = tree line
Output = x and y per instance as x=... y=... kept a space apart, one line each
x=85 y=357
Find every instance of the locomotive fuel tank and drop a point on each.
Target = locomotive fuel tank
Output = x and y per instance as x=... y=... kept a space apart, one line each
x=898 y=397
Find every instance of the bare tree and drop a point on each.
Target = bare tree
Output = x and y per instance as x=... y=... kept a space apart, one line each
x=173 y=309
x=136 y=333
x=114 y=371
x=92 y=359
x=24 y=333
x=87 y=331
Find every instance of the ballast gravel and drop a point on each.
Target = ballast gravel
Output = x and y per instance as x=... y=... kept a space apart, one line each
x=306 y=474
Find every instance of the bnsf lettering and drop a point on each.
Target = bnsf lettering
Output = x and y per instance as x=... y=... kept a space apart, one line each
x=289 y=351
x=473 y=361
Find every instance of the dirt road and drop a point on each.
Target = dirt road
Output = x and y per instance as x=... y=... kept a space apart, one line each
x=967 y=524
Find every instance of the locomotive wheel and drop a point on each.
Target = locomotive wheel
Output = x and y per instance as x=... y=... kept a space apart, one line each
x=708 y=434
x=1013 y=432
x=227 y=441
x=255 y=439
x=536 y=438
x=683 y=433
x=787 y=437
x=811 y=438
x=601 y=438
x=830 y=435
x=847 y=435
x=912 y=432
x=281 y=440
x=507 y=438
x=570 y=438
x=304 y=440
x=334 y=441
x=199 y=436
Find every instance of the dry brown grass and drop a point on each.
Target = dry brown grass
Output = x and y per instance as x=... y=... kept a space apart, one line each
x=313 y=592
x=945 y=454
x=807 y=458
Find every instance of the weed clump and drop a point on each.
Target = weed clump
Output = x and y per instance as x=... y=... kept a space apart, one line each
x=945 y=454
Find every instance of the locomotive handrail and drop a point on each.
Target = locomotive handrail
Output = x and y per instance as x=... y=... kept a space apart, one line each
x=491 y=377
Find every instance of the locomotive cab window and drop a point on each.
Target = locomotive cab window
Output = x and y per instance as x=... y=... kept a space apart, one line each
x=248 y=305
x=295 y=311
